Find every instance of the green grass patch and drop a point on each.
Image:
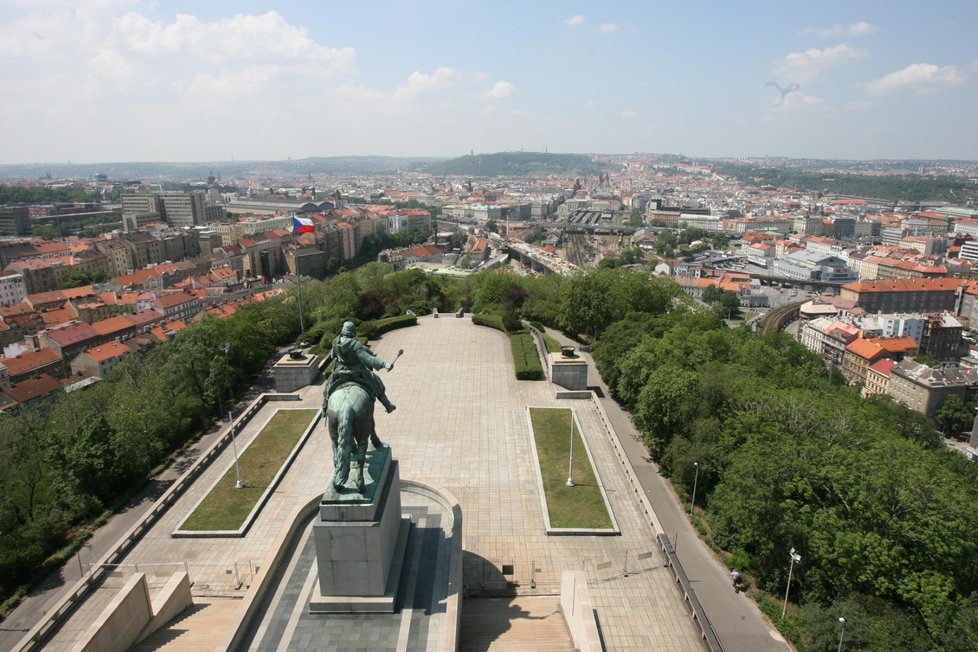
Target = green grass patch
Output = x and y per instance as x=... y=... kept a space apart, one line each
x=225 y=508
x=525 y=357
x=580 y=506
x=553 y=346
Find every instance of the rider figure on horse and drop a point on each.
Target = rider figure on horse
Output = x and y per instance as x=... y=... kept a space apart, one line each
x=353 y=362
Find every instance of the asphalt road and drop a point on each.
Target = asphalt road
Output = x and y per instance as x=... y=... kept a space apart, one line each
x=737 y=621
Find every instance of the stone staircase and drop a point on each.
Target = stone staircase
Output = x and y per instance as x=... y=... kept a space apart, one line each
x=200 y=627
x=521 y=623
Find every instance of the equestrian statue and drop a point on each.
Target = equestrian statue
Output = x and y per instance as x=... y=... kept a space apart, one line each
x=348 y=401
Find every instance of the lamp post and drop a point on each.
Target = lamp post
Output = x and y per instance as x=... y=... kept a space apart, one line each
x=842 y=633
x=570 y=464
x=238 y=482
x=696 y=479
x=795 y=557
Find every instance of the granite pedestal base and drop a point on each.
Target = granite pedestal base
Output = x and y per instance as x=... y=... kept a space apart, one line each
x=360 y=542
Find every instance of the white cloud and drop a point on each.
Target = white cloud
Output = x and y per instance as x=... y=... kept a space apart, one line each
x=608 y=28
x=629 y=113
x=574 y=21
x=919 y=77
x=420 y=82
x=805 y=66
x=590 y=104
x=860 y=28
x=500 y=90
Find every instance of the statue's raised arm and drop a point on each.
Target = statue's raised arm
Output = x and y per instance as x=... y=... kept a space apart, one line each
x=353 y=362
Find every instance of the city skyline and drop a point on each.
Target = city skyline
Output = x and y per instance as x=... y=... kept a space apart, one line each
x=106 y=80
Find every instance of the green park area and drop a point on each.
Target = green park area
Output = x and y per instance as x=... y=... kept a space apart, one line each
x=226 y=507
x=581 y=506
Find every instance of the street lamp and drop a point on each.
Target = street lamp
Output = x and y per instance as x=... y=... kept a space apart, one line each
x=238 y=482
x=842 y=634
x=795 y=557
x=570 y=464
x=696 y=479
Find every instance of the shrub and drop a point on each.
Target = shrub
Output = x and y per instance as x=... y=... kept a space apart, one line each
x=376 y=328
x=492 y=321
x=525 y=357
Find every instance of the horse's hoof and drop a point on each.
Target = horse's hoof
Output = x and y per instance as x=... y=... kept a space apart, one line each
x=339 y=487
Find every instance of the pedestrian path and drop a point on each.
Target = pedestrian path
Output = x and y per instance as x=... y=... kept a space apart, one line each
x=738 y=622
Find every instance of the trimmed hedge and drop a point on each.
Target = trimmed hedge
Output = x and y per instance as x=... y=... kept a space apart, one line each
x=377 y=327
x=525 y=357
x=492 y=321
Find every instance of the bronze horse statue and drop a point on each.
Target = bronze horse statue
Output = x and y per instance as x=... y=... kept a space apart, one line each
x=350 y=419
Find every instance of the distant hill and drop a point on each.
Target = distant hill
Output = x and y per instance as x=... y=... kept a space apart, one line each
x=200 y=170
x=516 y=164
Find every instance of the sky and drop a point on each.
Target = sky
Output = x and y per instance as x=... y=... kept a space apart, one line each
x=135 y=80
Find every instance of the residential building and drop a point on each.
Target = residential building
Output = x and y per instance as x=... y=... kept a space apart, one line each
x=12 y=289
x=904 y=295
x=139 y=208
x=924 y=389
x=861 y=353
x=878 y=377
x=184 y=209
x=15 y=220
x=99 y=361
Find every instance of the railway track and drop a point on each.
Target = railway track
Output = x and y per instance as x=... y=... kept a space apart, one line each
x=775 y=320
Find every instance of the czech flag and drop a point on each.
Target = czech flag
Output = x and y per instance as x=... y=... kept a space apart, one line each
x=302 y=225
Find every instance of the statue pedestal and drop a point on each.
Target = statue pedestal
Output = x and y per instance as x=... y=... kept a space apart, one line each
x=360 y=542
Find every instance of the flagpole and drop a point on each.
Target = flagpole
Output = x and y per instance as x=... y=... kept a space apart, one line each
x=298 y=279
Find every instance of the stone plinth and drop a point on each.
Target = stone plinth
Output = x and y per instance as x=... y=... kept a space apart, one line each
x=294 y=373
x=360 y=542
x=570 y=373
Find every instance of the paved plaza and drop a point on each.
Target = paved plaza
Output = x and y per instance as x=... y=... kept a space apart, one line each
x=461 y=425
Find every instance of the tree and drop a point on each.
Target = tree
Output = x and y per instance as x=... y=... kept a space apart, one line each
x=635 y=218
x=954 y=416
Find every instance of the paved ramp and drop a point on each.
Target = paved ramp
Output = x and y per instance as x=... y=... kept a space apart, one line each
x=523 y=623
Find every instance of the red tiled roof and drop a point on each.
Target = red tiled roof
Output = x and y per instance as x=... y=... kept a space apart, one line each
x=24 y=362
x=107 y=351
x=26 y=390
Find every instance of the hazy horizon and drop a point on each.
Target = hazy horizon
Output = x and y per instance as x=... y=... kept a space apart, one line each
x=97 y=81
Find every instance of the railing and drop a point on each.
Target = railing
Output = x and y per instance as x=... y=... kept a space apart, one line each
x=689 y=597
x=37 y=635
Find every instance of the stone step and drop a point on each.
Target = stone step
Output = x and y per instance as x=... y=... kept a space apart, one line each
x=521 y=623
x=202 y=626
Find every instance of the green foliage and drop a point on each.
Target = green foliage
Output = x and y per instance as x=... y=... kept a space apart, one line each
x=954 y=416
x=519 y=164
x=580 y=506
x=635 y=218
x=491 y=321
x=374 y=329
x=225 y=507
x=44 y=195
x=788 y=458
x=893 y=187
x=526 y=360
x=68 y=460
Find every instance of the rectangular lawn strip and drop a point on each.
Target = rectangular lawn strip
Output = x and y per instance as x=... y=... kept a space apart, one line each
x=581 y=506
x=225 y=508
x=553 y=346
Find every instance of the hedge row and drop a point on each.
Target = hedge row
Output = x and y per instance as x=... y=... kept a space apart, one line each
x=492 y=321
x=525 y=357
x=377 y=327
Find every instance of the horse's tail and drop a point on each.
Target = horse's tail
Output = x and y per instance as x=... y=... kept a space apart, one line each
x=343 y=445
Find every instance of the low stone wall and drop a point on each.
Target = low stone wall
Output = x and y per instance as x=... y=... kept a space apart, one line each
x=575 y=605
x=36 y=636
x=132 y=615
